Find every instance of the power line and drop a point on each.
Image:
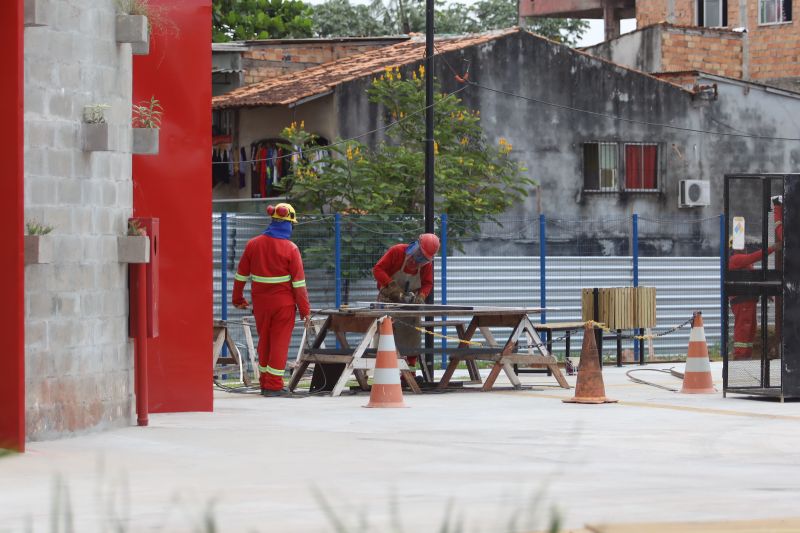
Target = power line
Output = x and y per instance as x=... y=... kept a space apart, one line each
x=631 y=120
x=350 y=139
x=466 y=81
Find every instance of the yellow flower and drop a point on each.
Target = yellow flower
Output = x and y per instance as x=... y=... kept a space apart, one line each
x=302 y=124
x=349 y=153
x=464 y=141
x=422 y=71
x=435 y=148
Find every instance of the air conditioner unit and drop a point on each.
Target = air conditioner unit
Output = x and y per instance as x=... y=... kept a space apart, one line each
x=694 y=193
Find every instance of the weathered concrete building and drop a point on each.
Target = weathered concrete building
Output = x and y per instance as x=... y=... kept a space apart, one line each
x=751 y=39
x=79 y=364
x=603 y=140
x=69 y=357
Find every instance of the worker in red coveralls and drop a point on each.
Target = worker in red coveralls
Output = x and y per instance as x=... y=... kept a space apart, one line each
x=744 y=307
x=272 y=263
x=405 y=275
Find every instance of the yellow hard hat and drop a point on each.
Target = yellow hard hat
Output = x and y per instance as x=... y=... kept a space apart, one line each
x=282 y=211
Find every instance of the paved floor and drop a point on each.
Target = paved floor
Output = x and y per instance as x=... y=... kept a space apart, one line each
x=500 y=461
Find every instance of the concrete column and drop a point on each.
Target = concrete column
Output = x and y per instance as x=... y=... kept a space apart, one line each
x=743 y=22
x=611 y=21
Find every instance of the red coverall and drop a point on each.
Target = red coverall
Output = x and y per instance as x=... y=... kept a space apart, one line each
x=419 y=280
x=744 y=308
x=278 y=286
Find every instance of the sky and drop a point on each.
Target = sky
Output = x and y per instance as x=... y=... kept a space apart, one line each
x=595 y=33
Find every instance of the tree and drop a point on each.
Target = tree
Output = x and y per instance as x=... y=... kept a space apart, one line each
x=475 y=179
x=340 y=18
x=236 y=20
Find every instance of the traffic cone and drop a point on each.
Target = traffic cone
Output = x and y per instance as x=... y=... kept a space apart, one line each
x=590 y=388
x=386 y=390
x=697 y=375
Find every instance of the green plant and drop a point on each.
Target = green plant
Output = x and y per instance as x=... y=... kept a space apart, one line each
x=6 y=453
x=34 y=227
x=147 y=114
x=381 y=186
x=157 y=15
x=95 y=113
x=135 y=229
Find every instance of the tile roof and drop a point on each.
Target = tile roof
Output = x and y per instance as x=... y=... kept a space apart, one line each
x=320 y=80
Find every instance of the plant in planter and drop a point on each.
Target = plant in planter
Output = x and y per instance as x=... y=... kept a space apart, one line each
x=38 y=246
x=95 y=128
x=136 y=20
x=146 y=125
x=135 y=246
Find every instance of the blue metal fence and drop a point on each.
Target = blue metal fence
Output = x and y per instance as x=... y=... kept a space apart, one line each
x=339 y=251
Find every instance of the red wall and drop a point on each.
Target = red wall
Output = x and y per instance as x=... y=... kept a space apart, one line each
x=175 y=186
x=12 y=270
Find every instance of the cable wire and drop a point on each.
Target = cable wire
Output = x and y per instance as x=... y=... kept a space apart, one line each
x=350 y=139
x=738 y=133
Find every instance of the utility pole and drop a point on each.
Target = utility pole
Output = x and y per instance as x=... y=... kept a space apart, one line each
x=429 y=155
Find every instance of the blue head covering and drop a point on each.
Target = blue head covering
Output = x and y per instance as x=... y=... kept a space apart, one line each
x=279 y=229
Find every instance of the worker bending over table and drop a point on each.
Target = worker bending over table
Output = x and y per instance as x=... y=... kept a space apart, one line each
x=405 y=275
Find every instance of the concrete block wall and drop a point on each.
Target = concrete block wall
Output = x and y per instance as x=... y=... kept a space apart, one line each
x=712 y=51
x=79 y=362
x=270 y=61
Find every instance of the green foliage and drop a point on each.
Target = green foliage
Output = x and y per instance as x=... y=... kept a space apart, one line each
x=95 y=113
x=341 y=18
x=148 y=114
x=237 y=20
x=259 y=19
x=34 y=227
x=135 y=229
x=475 y=179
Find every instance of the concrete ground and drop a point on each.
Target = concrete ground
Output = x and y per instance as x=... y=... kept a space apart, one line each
x=500 y=461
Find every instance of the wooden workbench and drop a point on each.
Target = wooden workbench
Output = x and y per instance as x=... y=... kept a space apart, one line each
x=353 y=360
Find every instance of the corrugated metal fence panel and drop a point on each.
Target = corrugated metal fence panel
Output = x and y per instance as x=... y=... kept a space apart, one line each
x=683 y=285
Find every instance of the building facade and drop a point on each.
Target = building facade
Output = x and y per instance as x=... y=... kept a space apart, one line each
x=77 y=170
x=750 y=39
x=602 y=140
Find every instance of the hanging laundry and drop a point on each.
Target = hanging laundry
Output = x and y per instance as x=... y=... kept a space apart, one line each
x=243 y=168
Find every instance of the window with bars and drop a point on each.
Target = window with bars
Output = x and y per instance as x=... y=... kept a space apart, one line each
x=712 y=13
x=641 y=167
x=774 y=11
x=600 y=166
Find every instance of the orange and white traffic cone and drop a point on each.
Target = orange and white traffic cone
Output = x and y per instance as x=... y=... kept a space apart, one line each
x=697 y=375
x=386 y=390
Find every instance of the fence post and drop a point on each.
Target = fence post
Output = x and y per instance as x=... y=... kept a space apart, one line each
x=542 y=268
x=638 y=346
x=443 y=276
x=223 y=262
x=723 y=316
x=337 y=229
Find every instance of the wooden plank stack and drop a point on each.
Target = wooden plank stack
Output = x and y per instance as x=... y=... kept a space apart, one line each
x=621 y=307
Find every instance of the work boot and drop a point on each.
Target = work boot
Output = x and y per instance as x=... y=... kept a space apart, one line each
x=280 y=393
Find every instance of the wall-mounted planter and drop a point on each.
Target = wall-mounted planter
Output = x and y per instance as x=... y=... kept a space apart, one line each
x=141 y=49
x=34 y=13
x=96 y=137
x=133 y=249
x=38 y=249
x=134 y=29
x=145 y=141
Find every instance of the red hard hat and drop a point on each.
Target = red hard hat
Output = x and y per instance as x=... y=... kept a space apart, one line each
x=429 y=244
